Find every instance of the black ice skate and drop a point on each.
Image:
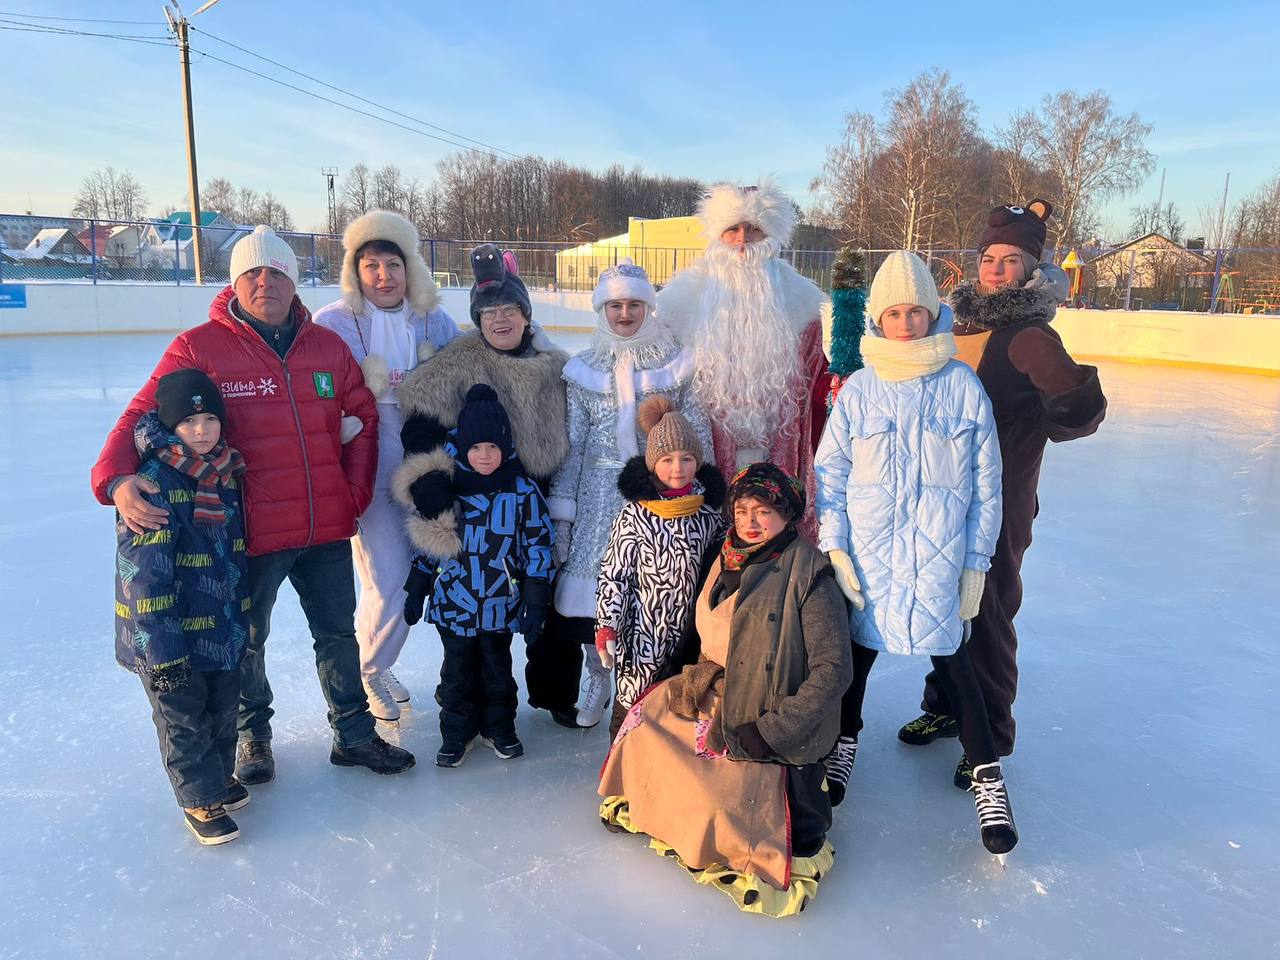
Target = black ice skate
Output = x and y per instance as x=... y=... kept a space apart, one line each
x=839 y=764
x=995 y=815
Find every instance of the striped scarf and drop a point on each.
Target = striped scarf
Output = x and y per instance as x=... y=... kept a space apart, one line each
x=216 y=467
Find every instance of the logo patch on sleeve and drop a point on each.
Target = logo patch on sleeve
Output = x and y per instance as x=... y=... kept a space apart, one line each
x=324 y=383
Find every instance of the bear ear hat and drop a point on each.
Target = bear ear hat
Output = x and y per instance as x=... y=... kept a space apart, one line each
x=1041 y=208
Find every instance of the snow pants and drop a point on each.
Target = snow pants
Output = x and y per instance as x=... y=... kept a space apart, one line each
x=477 y=694
x=196 y=727
x=382 y=554
x=553 y=669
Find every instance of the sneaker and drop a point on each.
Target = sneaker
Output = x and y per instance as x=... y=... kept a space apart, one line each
x=237 y=796
x=452 y=755
x=964 y=773
x=506 y=745
x=598 y=693
x=381 y=704
x=399 y=692
x=839 y=764
x=210 y=825
x=927 y=728
x=995 y=814
x=254 y=762
x=378 y=755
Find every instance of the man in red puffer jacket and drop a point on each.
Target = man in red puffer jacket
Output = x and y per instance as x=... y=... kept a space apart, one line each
x=287 y=384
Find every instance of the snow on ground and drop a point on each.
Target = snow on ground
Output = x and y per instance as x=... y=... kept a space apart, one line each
x=1146 y=783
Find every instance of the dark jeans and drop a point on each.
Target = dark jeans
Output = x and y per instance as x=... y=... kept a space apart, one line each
x=553 y=668
x=810 y=808
x=325 y=583
x=196 y=727
x=477 y=693
x=955 y=673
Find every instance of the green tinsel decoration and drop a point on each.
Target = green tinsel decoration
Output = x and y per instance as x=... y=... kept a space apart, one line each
x=848 y=311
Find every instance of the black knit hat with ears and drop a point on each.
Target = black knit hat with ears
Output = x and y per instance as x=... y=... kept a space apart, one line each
x=483 y=419
x=1021 y=227
x=184 y=393
x=497 y=281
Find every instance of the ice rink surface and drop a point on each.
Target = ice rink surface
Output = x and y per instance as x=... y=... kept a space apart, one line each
x=1146 y=782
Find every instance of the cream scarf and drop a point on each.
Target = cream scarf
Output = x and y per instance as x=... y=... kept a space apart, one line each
x=896 y=360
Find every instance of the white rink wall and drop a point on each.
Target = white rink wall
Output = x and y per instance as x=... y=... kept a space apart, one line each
x=1153 y=336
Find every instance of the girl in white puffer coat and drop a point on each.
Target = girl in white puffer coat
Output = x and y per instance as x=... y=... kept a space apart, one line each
x=908 y=474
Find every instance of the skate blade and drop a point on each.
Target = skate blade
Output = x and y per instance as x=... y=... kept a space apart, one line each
x=1000 y=858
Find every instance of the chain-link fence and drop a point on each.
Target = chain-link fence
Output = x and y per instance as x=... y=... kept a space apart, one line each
x=1151 y=273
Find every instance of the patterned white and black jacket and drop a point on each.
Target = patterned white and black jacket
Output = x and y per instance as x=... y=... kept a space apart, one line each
x=650 y=575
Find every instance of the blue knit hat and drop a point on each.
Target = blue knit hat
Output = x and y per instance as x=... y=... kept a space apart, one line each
x=483 y=419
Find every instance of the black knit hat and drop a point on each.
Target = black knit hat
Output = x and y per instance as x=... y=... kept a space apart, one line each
x=482 y=419
x=497 y=282
x=1021 y=227
x=186 y=392
x=772 y=485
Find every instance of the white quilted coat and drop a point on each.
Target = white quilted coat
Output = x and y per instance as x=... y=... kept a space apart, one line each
x=909 y=485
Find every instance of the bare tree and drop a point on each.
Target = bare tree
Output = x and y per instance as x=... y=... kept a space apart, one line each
x=110 y=195
x=272 y=212
x=1150 y=218
x=356 y=192
x=388 y=189
x=846 y=187
x=1091 y=152
x=219 y=195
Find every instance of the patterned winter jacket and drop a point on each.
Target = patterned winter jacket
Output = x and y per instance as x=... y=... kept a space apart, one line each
x=502 y=543
x=909 y=486
x=650 y=574
x=182 y=590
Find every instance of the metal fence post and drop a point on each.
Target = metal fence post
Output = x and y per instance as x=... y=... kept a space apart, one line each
x=1217 y=280
x=177 y=260
x=1128 y=290
x=313 y=259
x=431 y=251
x=93 y=249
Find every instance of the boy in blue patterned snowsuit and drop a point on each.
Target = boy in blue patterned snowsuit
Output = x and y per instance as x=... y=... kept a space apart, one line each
x=487 y=576
x=182 y=599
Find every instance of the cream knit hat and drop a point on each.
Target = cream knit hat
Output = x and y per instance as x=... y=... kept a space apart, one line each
x=902 y=278
x=263 y=248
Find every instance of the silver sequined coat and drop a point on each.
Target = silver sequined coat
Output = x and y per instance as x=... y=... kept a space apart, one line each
x=585 y=491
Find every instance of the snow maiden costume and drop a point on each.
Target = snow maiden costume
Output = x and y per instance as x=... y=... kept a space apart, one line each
x=387 y=344
x=606 y=384
x=527 y=382
x=720 y=765
x=755 y=329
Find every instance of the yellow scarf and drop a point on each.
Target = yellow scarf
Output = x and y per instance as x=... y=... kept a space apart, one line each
x=896 y=360
x=675 y=507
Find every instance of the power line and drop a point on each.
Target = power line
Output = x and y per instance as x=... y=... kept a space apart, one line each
x=20 y=26
x=338 y=103
x=356 y=96
x=32 y=16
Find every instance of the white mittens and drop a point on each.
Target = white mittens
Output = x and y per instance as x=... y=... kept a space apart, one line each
x=564 y=536
x=350 y=429
x=847 y=577
x=971 y=584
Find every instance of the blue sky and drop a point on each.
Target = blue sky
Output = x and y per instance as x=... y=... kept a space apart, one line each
x=712 y=90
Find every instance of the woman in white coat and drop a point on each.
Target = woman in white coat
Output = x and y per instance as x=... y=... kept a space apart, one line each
x=390 y=317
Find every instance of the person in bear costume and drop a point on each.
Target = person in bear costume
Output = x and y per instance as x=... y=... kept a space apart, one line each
x=1038 y=393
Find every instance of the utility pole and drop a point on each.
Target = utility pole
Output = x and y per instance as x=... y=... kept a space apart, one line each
x=330 y=174
x=178 y=26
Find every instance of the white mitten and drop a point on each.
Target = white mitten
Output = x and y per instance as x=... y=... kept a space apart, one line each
x=847 y=578
x=425 y=351
x=351 y=428
x=564 y=536
x=971 y=583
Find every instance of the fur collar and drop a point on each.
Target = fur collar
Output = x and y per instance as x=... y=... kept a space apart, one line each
x=1002 y=309
x=529 y=387
x=636 y=483
x=680 y=301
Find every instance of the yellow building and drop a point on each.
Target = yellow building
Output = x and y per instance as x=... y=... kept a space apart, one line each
x=661 y=246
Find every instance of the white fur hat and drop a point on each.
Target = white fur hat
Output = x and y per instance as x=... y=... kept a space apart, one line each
x=902 y=278
x=765 y=205
x=626 y=281
x=263 y=248
x=420 y=288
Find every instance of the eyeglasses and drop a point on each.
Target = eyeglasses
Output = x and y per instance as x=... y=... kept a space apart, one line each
x=509 y=311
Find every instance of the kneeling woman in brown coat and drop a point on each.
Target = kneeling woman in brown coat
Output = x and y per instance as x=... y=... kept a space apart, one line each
x=721 y=765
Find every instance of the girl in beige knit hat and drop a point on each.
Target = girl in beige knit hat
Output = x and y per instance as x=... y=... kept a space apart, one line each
x=909 y=491
x=659 y=546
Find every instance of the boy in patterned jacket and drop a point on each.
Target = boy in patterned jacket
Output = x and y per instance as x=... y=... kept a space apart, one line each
x=487 y=569
x=182 y=599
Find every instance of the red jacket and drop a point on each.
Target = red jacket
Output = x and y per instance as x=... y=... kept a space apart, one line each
x=302 y=486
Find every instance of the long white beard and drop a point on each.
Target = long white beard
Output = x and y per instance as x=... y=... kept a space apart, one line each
x=744 y=347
